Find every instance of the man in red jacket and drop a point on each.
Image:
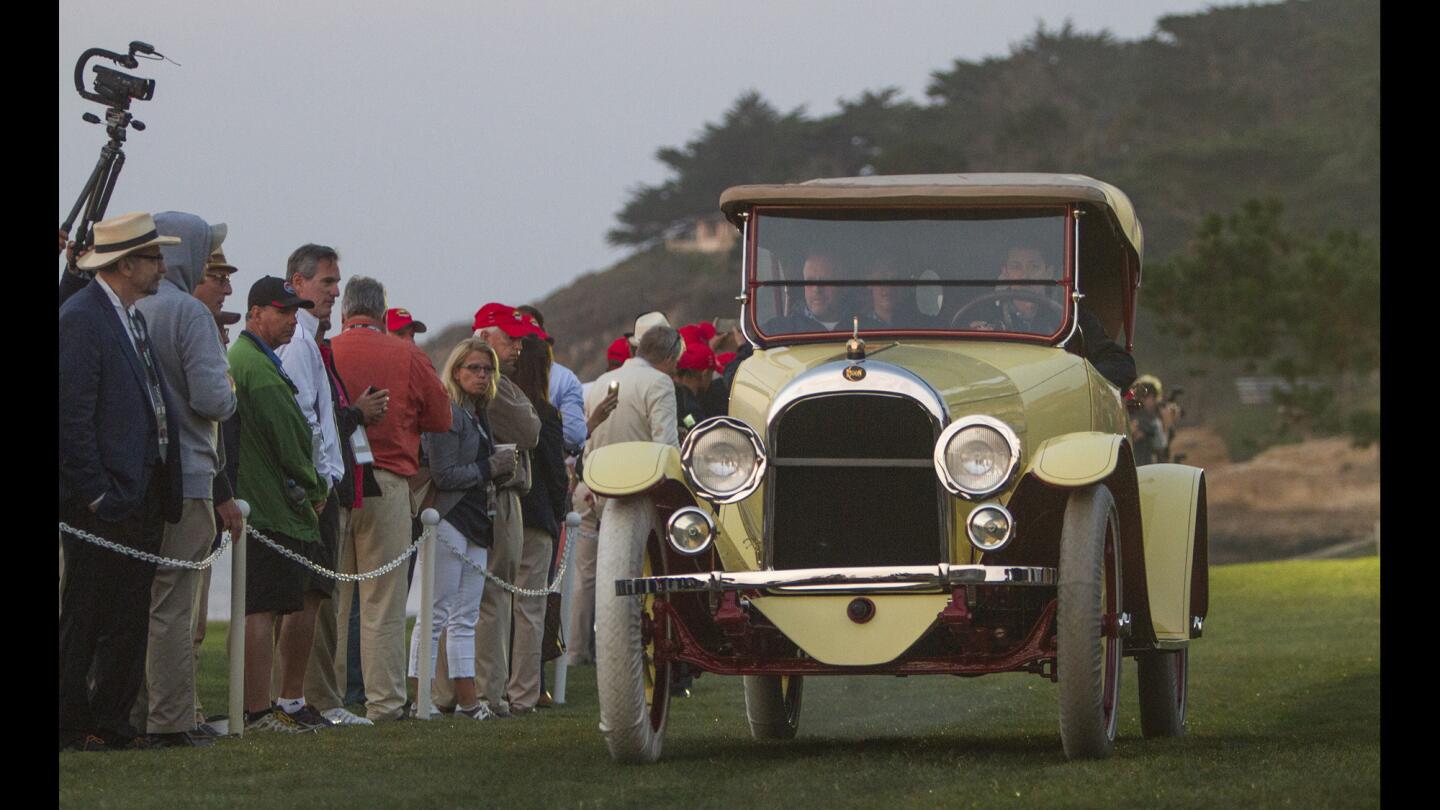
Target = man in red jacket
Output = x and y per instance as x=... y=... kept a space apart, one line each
x=379 y=532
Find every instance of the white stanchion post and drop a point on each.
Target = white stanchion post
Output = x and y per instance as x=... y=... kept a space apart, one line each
x=237 y=625
x=424 y=623
x=567 y=587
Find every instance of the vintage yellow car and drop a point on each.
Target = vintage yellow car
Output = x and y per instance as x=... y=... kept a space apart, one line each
x=925 y=468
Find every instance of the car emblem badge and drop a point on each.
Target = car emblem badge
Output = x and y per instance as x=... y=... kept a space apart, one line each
x=854 y=373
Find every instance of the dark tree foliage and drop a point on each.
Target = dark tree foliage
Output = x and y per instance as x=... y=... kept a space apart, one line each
x=1277 y=100
x=1304 y=307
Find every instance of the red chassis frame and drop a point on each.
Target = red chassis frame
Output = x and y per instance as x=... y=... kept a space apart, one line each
x=1035 y=653
x=676 y=638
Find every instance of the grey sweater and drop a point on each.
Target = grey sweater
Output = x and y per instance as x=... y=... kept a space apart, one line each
x=185 y=341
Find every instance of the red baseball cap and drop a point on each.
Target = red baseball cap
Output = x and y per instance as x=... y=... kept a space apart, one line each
x=507 y=319
x=534 y=324
x=697 y=357
x=398 y=318
x=698 y=332
x=619 y=351
x=692 y=334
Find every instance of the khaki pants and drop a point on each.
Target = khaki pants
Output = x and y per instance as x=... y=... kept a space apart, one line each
x=324 y=677
x=379 y=532
x=581 y=641
x=528 y=621
x=492 y=632
x=201 y=618
x=166 y=703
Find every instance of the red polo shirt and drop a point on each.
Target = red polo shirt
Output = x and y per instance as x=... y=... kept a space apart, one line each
x=366 y=356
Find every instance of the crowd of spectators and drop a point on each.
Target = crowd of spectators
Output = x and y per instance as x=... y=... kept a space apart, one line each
x=336 y=438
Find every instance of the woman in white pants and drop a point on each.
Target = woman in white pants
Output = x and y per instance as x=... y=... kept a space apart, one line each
x=463 y=460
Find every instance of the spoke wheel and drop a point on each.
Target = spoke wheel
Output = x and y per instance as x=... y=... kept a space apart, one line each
x=1088 y=644
x=772 y=705
x=1164 y=682
x=634 y=692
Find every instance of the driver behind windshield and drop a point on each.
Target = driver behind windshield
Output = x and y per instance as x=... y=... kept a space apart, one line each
x=1024 y=312
x=827 y=308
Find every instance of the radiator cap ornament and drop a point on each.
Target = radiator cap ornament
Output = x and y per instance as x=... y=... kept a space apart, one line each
x=855 y=350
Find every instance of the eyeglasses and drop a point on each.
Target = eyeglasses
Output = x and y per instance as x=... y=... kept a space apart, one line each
x=476 y=368
x=223 y=279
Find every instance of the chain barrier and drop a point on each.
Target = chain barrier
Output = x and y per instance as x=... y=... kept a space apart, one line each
x=553 y=587
x=164 y=562
x=325 y=572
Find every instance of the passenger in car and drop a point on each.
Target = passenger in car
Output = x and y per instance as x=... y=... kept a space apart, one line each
x=1021 y=315
x=826 y=308
x=893 y=306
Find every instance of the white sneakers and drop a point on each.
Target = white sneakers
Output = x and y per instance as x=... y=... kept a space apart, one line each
x=341 y=716
x=480 y=712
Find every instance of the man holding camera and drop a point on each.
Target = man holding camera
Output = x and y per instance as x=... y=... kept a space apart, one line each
x=119 y=479
x=514 y=421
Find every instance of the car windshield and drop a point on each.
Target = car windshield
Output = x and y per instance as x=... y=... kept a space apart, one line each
x=998 y=273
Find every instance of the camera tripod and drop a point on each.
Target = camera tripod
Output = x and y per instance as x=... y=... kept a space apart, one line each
x=115 y=90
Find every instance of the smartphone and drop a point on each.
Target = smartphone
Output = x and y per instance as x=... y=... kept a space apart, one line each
x=372 y=389
x=614 y=388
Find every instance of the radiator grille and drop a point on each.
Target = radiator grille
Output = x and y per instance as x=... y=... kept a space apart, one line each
x=852 y=484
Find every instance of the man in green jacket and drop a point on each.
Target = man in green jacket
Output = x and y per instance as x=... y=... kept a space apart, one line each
x=278 y=478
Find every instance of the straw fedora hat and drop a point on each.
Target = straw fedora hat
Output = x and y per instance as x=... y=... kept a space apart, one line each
x=120 y=236
x=217 y=261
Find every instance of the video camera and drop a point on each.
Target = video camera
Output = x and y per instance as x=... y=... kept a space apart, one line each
x=115 y=90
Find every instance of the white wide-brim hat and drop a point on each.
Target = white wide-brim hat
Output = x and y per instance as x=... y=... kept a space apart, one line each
x=120 y=236
x=645 y=323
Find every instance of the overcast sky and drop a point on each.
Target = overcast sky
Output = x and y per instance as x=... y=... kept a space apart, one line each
x=463 y=152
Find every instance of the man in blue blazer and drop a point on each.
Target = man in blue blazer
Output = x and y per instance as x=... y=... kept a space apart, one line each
x=119 y=479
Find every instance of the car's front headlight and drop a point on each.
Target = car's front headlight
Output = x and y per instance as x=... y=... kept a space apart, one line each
x=976 y=456
x=724 y=459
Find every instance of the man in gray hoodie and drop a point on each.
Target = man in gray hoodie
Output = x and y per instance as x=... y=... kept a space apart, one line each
x=187 y=347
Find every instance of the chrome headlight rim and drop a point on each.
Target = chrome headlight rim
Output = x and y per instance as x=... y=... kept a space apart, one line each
x=709 y=523
x=943 y=443
x=751 y=483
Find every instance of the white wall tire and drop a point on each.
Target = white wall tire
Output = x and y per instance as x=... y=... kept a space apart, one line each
x=772 y=705
x=1087 y=657
x=634 y=693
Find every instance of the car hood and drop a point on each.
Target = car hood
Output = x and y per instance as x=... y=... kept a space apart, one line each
x=968 y=376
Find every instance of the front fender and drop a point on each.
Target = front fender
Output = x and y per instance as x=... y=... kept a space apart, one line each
x=1076 y=459
x=1172 y=509
x=629 y=468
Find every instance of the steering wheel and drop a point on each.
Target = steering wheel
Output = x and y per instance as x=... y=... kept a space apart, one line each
x=959 y=321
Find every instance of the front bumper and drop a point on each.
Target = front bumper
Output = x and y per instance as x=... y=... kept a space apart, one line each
x=939 y=578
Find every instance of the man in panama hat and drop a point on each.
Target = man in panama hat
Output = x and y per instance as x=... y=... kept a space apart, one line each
x=119 y=479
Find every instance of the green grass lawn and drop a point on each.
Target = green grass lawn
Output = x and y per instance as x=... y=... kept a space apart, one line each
x=1284 y=711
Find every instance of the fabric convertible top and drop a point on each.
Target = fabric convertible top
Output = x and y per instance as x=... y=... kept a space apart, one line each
x=943 y=189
